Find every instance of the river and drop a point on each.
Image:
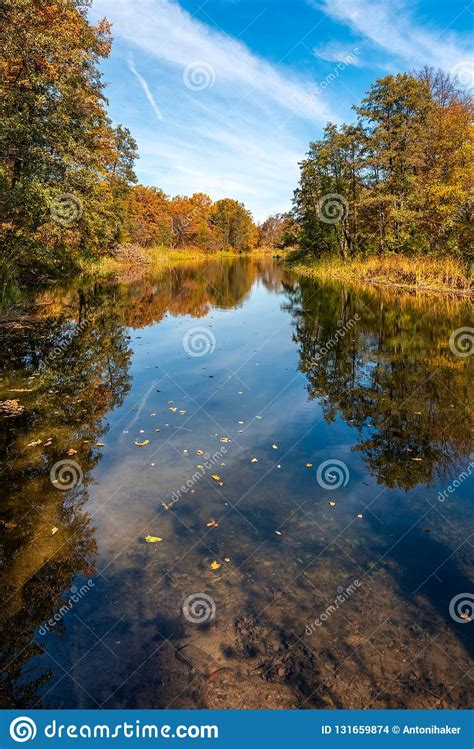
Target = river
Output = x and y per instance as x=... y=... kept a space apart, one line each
x=225 y=486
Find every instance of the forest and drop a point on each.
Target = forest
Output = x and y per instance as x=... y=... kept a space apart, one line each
x=397 y=181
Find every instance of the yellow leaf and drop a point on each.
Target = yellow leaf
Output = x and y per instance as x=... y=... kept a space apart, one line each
x=153 y=539
x=331 y=504
x=216 y=477
x=215 y=565
x=212 y=524
x=224 y=439
x=309 y=465
x=142 y=444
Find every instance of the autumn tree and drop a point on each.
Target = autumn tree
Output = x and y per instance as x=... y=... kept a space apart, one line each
x=233 y=225
x=64 y=169
x=398 y=180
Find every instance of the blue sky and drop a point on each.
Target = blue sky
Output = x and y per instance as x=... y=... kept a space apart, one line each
x=223 y=96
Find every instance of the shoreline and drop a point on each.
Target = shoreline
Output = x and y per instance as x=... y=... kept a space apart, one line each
x=447 y=277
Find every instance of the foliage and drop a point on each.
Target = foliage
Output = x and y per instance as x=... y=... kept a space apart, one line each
x=401 y=177
x=154 y=219
x=58 y=148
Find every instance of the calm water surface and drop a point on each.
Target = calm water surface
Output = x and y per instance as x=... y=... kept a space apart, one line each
x=330 y=543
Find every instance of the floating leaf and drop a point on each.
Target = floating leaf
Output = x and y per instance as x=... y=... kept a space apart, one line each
x=309 y=465
x=34 y=443
x=71 y=451
x=142 y=444
x=254 y=460
x=224 y=439
x=331 y=503
x=215 y=565
x=153 y=539
x=199 y=452
x=212 y=524
x=54 y=530
x=216 y=477
x=173 y=409
x=275 y=447
x=100 y=444
x=278 y=533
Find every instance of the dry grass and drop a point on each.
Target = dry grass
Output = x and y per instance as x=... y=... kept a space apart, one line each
x=445 y=275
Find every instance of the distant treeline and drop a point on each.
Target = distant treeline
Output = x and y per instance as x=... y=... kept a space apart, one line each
x=67 y=183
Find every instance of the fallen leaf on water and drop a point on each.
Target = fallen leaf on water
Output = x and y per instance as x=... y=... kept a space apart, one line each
x=278 y=533
x=54 y=530
x=199 y=452
x=216 y=477
x=72 y=451
x=167 y=507
x=309 y=465
x=214 y=675
x=173 y=408
x=275 y=447
x=224 y=439
x=100 y=444
x=157 y=430
x=153 y=539
x=254 y=460
x=466 y=617
x=34 y=443
x=212 y=524
x=331 y=503
x=215 y=565
x=142 y=444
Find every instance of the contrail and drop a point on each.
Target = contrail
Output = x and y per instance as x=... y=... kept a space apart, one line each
x=145 y=87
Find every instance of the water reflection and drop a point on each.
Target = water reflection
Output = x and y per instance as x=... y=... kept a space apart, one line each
x=385 y=366
x=95 y=365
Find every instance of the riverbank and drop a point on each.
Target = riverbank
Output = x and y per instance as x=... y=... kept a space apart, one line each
x=428 y=274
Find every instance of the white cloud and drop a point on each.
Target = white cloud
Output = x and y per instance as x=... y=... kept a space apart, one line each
x=145 y=87
x=394 y=28
x=335 y=52
x=240 y=137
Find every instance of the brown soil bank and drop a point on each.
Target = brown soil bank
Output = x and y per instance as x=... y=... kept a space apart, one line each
x=432 y=274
